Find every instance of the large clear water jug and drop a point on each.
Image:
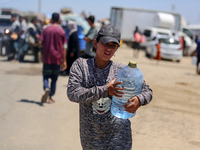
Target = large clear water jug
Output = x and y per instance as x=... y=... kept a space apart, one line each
x=132 y=79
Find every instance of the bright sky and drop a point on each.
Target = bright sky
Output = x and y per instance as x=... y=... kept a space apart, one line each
x=189 y=9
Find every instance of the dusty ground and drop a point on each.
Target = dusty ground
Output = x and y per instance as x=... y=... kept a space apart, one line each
x=170 y=122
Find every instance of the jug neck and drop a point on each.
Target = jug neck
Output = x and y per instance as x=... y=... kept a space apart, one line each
x=132 y=64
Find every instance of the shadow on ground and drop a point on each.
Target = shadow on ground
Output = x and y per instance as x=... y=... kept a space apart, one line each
x=25 y=61
x=29 y=61
x=31 y=102
x=192 y=74
x=31 y=71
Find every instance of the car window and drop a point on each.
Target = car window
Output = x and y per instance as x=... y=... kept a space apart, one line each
x=170 y=41
x=186 y=31
x=5 y=22
x=163 y=33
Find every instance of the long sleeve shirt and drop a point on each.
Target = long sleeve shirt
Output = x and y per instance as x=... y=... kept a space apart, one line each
x=99 y=129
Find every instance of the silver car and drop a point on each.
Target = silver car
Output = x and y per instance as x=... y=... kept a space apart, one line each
x=170 y=48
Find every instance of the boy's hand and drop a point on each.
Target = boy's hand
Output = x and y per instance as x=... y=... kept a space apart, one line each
x=113 y=90
x=64 y=66
x=132 y=105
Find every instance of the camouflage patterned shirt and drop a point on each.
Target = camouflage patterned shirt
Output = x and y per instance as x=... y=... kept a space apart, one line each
x=99 y=129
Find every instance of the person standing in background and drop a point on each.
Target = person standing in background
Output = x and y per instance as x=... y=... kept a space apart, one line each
x=22 y=45
x=73 y=51
x=136 y=43
x=32 y=37
x=89 y=38
x=13 y=46
x=158 y=46
x=198 y=55
x=53 y=42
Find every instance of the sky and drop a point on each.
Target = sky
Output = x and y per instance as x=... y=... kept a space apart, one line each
x=189 y=9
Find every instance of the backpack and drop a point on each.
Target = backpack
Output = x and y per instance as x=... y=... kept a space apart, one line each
x=139 y=38
x=29 y=38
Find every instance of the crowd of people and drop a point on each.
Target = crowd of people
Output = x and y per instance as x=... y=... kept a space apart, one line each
x=91 y=78
x=60 y=48
x=58 y=45
x=26 y=36
x=91 y=81
x=23 y=35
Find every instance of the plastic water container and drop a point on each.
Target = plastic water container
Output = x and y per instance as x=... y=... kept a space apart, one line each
x=132 y=79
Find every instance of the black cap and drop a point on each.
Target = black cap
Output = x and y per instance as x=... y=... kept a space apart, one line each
x=55 y=17
x=91 y=19
x=34 y=19
x=13 y=15
x=108 y=33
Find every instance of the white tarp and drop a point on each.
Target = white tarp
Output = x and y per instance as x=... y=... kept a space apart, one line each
x=164 y=20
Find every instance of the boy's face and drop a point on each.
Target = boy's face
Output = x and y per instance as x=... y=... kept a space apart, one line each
x=14 y=18
x=20 y=19
x=90 y=23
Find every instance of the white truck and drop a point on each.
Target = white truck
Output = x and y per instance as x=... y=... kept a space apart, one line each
x=150 y=23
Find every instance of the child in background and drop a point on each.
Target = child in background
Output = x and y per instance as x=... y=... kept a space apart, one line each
x=158 y=57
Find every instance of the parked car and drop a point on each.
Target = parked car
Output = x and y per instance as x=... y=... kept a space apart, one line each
x=170 y=48
x=5 y=23
x=190 y=45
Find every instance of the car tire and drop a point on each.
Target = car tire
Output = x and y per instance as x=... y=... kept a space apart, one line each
x=3 y=51
x=147 y=54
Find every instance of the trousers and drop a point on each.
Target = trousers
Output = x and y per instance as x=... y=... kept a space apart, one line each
x=50 y=71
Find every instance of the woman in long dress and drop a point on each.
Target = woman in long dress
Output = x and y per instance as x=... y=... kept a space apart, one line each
x=73 y=51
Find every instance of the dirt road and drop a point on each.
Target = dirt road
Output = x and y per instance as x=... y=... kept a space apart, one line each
x=170 y=122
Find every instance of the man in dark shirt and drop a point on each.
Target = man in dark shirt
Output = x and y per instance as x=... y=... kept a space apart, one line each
x=32 y=37
x=14 y=38
x=89 y=38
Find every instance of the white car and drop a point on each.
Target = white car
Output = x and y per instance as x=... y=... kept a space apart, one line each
x=170 y=48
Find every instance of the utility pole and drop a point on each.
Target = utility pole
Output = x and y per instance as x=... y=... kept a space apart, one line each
x=173 y=7
x=198 y=20
x=39 y=6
